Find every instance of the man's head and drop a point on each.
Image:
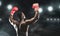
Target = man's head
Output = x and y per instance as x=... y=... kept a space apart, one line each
x=17 y=15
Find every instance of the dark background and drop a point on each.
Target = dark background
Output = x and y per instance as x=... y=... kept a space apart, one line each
x=42 y=27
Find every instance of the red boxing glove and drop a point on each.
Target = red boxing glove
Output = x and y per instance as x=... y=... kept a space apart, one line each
x=35 y=6
x=14 y=9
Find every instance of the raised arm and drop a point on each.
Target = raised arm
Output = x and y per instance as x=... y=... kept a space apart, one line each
x=11 y=15
x=36 y=16
x=33 y=19
x=12 y=20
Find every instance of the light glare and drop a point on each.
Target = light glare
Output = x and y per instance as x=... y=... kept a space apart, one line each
x=47 y=19
x=0 y=3
x=40 y=10
x=50 y=8
x=0 y=19
x=9 y=7
x=59 y=6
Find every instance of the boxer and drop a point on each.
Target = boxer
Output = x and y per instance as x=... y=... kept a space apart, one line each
x=23 y=24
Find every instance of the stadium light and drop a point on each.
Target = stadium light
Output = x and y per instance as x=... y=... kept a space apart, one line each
x=51 y=19
x=50 y=8
x=0 y=19
x=59 y=6
x=58 y=19
x=0 y=3
x=55 y=19
x=40 y=10
x=9 y=7
x=47 y=19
